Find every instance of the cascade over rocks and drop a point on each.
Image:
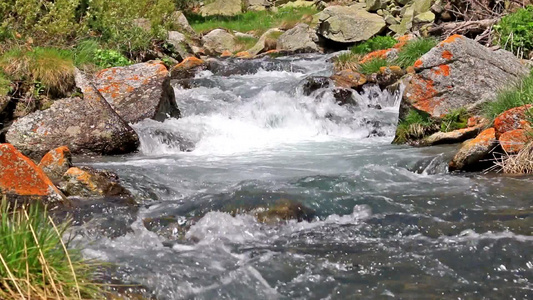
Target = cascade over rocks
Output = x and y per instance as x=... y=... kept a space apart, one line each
x=138 y=92
x=301 y=38
x=86 y=126
x=22 y=180
x=459 y=72
x=349 y=24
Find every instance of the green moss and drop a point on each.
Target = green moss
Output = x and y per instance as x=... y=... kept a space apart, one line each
x=372 y=66
x=514 y=96
x=373 y=44
x=414 y=126
x=413 y=50
x=515 y=31
x=456 y=119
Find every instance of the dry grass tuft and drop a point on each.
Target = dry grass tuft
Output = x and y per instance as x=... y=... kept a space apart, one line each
x=521 y=163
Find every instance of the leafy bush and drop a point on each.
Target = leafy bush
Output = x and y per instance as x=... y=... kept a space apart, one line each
x=517 y=95
x=372 y=66
x=413 y=50
x=456 y=119
x=414 y=126
x=35 y=263
x=89 y=53
x=373 y=44
x=515 y=31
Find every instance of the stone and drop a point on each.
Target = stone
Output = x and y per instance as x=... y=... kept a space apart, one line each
x=298 y=4
x=222 y=8
x=89 y=182
x=513 y=141
x=439 y=85
x=187 y=68
x=349 y=24
x=179 y=41
x=425 y=17
x=258 y=5
x=452 y=137
x=374 y=5
x=23 y=181
x=56 y=162
x=422 y=6
x=514 y=118
x=181 y=23
x=138 y=92
x=218 y=41
x=298 y=39
x=348 y=79
x=312 y=84
x=473 y=151
x=406 y=23
x=263 y=44
x=284 y=210
x=85 y=126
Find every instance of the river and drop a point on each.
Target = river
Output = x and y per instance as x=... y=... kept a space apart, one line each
x=389 y=221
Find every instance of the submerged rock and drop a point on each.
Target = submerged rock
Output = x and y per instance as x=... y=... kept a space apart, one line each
x=23 y=181
x=440 y=86
x=312 y=84
x=89 y=182
x=349 y=24
x=349 y=79
x=298 y=39
x=138 y=92
x=284 y=210
x=56 y=162
x=473 y=151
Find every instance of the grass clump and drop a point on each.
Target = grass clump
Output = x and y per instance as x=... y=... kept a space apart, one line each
x=373 y=66
x=88 y=53
x=51 y=67
x=517 y=95
x=34 y=261
x=245 y=42
x=521 y=163
x=414 y=126
x=373 y=44
x=413 y=50
x=347 y=61
x=456 y=119
x=257 y=21
x=515 y=32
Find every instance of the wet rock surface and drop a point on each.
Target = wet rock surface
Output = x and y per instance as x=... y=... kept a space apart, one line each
x=472 y=153
x=56 y=162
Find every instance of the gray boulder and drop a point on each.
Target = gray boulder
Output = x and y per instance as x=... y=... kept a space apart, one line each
x=222 y=8
x=181 y=23
x=298 y=39
x=218 y=41
x=85 y=126
x=179 y=41
x=349 y=24
x=138 y=92
x=264 y=42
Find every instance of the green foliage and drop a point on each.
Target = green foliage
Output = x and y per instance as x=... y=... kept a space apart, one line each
x=517 y=95
x=516 y=31
x=258 y=21
x=5 y=84
x=373 y=44
x=245 y=42
x=414 y=126
x=456 y=119
x=372 y=66
x=89 y=53
x=413 y=50
x=347 y=61
x=35 y=263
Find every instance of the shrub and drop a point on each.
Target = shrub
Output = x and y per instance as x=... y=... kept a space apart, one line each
x=88 y=53
x=517 y=95
x=50 y=66
x=34 y=261
x=515 y=31
x=413 y=50
x=414 y=126
x=373 y=44
x=456 y=119
x=372 y=66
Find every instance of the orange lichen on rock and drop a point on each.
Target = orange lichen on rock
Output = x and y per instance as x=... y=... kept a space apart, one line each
x=447 y=55
x=56 y=162
x=22 y=177
x=226 y=53
x=376 y=54
x=451 y=39
x=83 y=177
x=484 y=137
x=514 y=140
x=421 y=93
x=189 y=63
x=244 y=54
x=418 y=63
x=444 y=70
x=348 y=79
x=475 y=121
x=511 y=119
x=402 y=41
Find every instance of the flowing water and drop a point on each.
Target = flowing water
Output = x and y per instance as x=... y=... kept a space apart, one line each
x=389 y=221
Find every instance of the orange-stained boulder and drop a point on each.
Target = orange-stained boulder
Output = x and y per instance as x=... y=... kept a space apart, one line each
x=514 y=118
x=473 y=151
x=515 y=140
x=348 y=79
x=56 y=162
x=244 y=54
x=187 y=68
x=452 y=137
x=138 y=92
x=23 y=181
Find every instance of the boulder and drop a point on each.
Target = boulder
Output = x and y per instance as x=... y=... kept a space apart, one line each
x=513 y=141
x=514 y=118
x=374 y=5
x=473 y=151
x=264 y=42
x=23 y=181
x=89 y=182
x=348 y=79
x=85 y=126
x=179 y=41
x=181 y=23
x=439 y=84
x=222 y=8
x=138 y=92
x=259 y=5
x=218 y=41
x=452 y=137
x=56 y=162
x=187 y=68
x=349 y=24
x=312 y=84
x=284 y=210
x=298 y=39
